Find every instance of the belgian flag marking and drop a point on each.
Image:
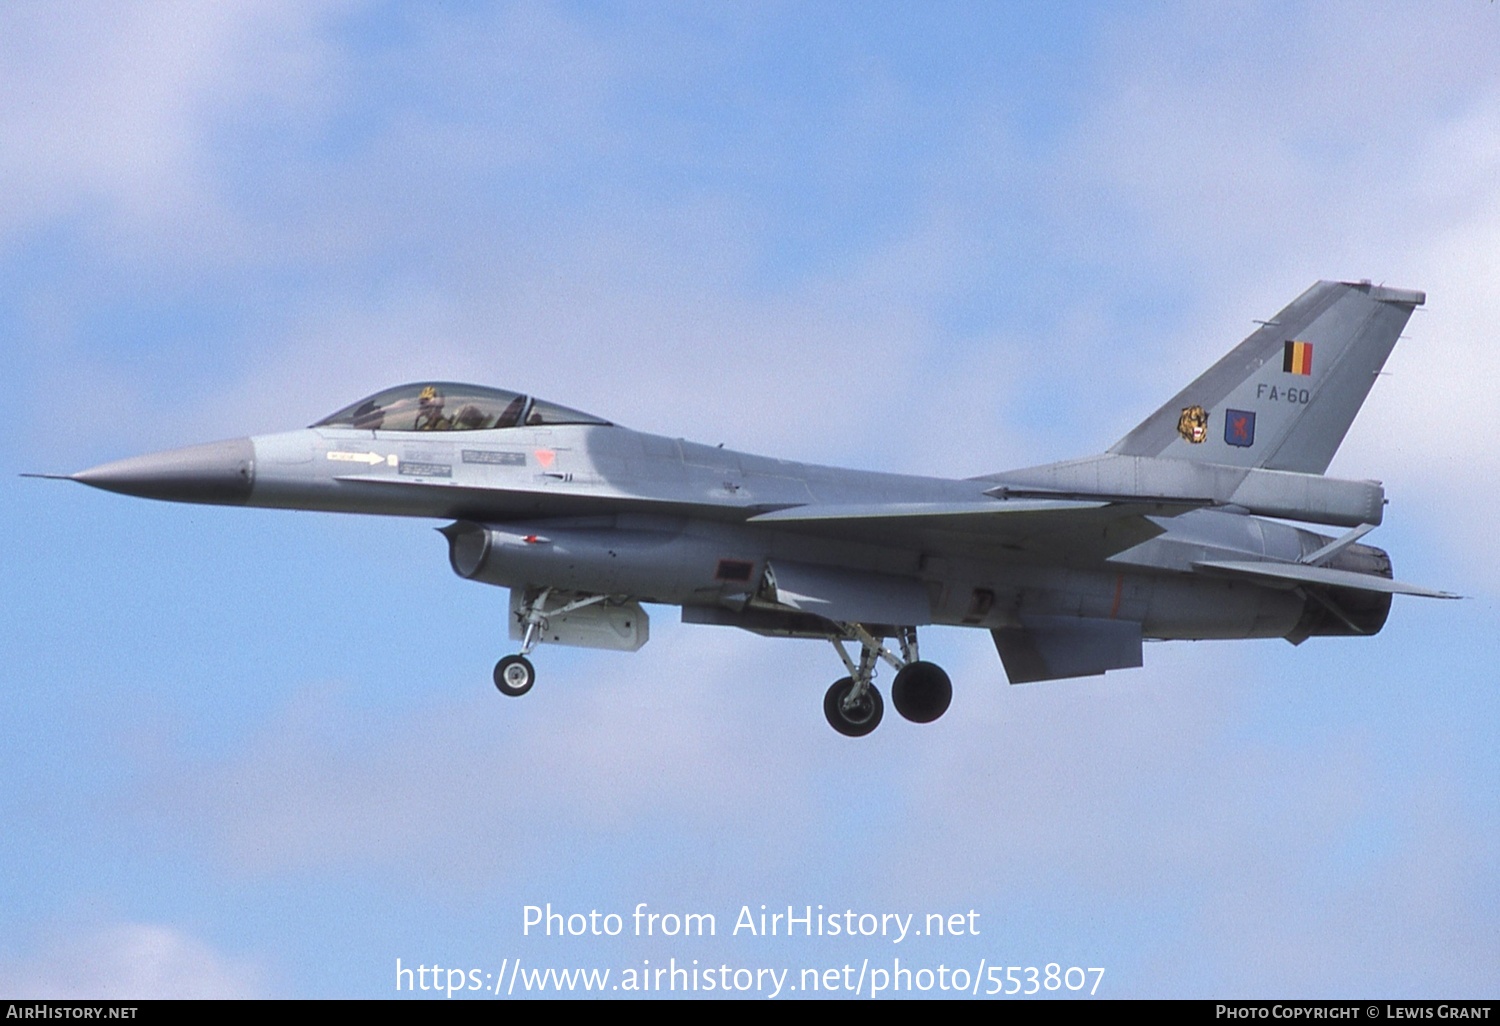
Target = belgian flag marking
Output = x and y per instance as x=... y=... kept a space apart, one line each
x=1298 y=358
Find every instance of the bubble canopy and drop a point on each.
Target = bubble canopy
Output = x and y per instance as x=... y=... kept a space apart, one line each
x=450 y=406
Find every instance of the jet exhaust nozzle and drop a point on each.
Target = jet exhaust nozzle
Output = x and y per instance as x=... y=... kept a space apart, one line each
x=1345 y=612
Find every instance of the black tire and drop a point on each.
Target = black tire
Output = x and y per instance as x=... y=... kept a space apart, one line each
x=856 y=722
x=921 y=692
x=514 y=676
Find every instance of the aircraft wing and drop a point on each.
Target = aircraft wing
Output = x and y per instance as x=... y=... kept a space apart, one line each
x=1071 y=529
x=1290 y=575
x=482 y=503
x=1068 y=529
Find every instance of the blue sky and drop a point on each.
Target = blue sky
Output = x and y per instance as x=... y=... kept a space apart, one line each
x=257 y=753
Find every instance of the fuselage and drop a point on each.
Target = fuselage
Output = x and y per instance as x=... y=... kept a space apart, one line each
x=598 y=508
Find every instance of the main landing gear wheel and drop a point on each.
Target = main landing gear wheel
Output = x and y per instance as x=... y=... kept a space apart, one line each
x=514 y=675
x=921 y=692
x=858 y=720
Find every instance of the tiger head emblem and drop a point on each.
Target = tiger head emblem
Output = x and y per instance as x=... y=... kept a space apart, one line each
x=1193 y=424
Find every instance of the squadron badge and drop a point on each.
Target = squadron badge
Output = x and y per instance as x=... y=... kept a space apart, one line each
x=1193 y=424
x=1239 y=428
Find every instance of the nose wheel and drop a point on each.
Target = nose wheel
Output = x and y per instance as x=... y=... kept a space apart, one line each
x=514 y=675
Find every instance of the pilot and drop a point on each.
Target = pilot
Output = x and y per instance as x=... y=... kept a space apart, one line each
x=470 y=418
x=430 y=411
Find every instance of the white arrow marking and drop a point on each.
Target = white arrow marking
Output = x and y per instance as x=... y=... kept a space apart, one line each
x=371 y=458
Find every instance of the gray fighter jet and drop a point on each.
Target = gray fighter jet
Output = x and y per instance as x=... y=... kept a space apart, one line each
x=1179 y=530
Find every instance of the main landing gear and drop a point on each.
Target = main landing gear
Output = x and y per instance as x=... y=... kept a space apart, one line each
x=921 y=691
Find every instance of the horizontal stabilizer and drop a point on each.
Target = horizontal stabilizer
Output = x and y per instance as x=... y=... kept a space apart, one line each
x=1290 y=575
x=1056 y=647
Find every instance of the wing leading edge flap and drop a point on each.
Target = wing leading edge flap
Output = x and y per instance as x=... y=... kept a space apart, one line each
x=1290 y=575
x=1057 y=647
x=922 y=510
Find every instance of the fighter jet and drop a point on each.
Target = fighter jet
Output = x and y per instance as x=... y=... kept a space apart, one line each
x=1186 y=528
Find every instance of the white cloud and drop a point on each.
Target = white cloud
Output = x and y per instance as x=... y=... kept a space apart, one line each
x=702 y=770
x=622 y=743
x=116 y=104
x=1350 y=141
x=131 y=961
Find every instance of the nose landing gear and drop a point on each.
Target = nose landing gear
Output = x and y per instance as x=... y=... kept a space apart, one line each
x=514 y=675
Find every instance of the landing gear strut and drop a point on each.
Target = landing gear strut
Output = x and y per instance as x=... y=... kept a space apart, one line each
x=921 y=691
x=514 y=675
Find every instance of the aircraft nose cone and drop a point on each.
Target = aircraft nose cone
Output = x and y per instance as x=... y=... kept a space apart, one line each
x=219 y=472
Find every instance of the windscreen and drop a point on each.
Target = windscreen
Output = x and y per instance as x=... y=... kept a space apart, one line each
x=448 y=406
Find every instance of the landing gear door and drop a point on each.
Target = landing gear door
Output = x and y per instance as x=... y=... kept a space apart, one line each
x=622 y=628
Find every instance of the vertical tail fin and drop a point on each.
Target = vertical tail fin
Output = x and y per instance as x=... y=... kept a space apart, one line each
x=1284 y=398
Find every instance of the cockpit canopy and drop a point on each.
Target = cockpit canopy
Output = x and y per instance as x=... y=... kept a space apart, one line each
x=448 y=406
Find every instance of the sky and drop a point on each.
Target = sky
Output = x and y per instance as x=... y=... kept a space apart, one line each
x=252 y=753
